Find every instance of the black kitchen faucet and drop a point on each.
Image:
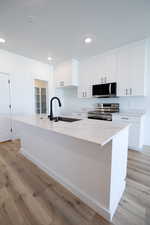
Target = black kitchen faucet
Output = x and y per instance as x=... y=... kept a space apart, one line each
x=51 y=117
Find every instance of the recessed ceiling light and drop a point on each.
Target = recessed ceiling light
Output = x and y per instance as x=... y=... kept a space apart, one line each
x=2 y=41
x=88 y=40
x=49 y=58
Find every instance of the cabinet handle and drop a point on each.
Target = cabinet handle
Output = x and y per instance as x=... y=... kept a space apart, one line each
x=130 y=91
x=61 y=83
x=127 y=91
x=124 y=118
x=110 y=89
x=84 y=94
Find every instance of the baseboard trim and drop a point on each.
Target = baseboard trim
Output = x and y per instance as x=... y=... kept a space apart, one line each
x=147 y=147
x=72 y=188
x=135 y=148
x=2 y=142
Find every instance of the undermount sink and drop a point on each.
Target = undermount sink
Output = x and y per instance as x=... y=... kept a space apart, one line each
x=65 y=119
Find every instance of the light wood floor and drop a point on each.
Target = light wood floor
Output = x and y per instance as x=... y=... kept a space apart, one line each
x=28 y=196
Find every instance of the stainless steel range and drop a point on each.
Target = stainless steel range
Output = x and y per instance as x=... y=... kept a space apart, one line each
x=104 y=111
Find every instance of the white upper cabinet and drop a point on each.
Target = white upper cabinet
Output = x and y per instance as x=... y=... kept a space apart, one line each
x=131 y=67
x=108 y=68
x=103 y=68
x=85 y=80
x=96 y=70
x=123 y=74
x=66 y=74
x=126 y=66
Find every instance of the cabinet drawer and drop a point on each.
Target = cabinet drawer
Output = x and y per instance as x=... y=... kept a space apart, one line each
x=126 y=118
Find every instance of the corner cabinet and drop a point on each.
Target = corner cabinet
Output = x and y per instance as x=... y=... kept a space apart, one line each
x=131 y=70
x=66 y=74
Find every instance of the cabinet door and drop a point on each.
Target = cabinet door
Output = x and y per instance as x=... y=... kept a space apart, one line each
x=123 y=72
x=88 y=91
x=82 y=84
x=109 y=71
x=137 y=70
x=81 y=92
x=134 y=136
x=131 y=70
x=85 y=91
x=86 y=78
x=134 y=130
x=63 y=75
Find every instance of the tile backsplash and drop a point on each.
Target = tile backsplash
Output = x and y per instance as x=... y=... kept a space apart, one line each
x=71 y=103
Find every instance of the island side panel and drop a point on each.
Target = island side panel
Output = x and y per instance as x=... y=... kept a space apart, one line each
x=118 y=168
x=82 y=167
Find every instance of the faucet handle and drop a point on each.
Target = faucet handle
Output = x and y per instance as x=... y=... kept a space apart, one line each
x=56 y=119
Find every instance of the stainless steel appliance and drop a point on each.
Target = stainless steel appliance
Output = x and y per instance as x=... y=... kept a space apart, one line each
x=104 y=111
x=107 y=90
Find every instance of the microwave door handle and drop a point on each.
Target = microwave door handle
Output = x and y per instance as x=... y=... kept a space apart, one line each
x=109 y=89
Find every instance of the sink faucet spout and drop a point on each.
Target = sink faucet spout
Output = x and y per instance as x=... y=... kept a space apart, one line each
x=51 y=117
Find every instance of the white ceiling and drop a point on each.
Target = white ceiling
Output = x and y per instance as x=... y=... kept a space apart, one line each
x=58 y=26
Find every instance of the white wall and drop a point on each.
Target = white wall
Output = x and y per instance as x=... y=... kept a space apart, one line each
x=147 y=102
x=23 y=71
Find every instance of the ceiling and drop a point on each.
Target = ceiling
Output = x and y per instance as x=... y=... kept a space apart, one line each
x=42 y=28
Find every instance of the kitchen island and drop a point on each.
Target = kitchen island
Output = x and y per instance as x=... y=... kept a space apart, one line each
x=88 y=157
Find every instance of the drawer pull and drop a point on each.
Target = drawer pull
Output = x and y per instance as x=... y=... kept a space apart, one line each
x=62 y=83
x=130 y=91
x=124 y=118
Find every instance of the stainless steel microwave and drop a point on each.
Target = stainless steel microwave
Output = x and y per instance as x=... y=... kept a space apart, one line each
x=107 y=90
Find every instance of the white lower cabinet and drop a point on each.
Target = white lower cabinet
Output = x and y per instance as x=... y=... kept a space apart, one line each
x=136 y=131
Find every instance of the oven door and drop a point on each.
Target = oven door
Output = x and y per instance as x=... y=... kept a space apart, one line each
x=107 y=117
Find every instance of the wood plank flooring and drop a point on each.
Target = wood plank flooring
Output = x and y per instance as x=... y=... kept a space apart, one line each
x=28 y=196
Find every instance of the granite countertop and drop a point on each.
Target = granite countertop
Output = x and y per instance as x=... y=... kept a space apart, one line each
x=96 y=131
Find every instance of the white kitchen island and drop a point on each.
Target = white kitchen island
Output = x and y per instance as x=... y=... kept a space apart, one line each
x=89 y=157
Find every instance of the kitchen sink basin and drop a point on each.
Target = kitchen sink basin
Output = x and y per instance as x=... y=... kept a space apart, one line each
x=65 y=119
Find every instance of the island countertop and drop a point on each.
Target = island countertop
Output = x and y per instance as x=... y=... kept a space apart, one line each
x=96 y=131
x=88 y=157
